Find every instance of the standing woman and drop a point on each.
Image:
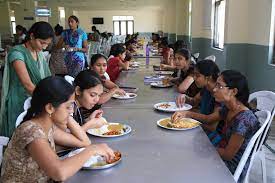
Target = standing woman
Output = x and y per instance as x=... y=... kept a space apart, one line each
x=75 y=40
x=24 y=68
x=20 y=34
x=57 y=65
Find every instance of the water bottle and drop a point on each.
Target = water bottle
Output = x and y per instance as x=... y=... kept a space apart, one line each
x=147 y=50
x=147 y=55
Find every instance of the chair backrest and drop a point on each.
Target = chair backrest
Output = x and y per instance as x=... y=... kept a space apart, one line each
x=70 y=79
x=211 y=57
x=20 y=118
x=106 y=75
x=88 y=54
x=264 y=117
x=3 y=142
x=265 y=101
x=27 y=103
x=196 y=55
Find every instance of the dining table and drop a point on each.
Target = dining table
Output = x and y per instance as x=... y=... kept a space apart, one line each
x=151 y=154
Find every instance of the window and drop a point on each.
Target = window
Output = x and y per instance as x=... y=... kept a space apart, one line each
x=13 y=25
x=190 y=21
x=62 y=20
x=219 y=21
x=123 y=25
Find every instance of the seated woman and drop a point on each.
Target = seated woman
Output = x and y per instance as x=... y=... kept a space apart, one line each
x=183 y=77
x=117 y=63
x=165 y=51
x=30 y=155
x=171 y=63
x=88 y=89
x=99 y=65
x=239 y=122
x=206 y=73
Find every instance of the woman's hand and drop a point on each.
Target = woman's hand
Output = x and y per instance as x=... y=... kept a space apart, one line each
x=103 y=150
x=96 y=114
x=120 y=91
x=179 y=115
x=180 y=101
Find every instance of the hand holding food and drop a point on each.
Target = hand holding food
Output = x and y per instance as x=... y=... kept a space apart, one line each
x=180 y=100
x=177 y=116
x=103 y=150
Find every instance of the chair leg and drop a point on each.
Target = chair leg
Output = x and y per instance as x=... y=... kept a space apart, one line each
x=263 y=164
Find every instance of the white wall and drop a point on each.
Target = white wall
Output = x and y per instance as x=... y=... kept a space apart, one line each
x=145 y=20
x=5 y=19
x=259 y=22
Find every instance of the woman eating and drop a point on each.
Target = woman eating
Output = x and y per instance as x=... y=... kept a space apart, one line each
x=30 y=155
x=117 y=63
x=99 y=65
x=239 y=122
x=205 y=74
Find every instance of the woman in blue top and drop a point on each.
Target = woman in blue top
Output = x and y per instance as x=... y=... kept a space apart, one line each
x=76 y=44
x=205 y=74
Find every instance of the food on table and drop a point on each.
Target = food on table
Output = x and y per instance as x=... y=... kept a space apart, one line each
x=164 y=106
x=112 y=133
x=165 y=81
x=117 y=157
x=182 y=123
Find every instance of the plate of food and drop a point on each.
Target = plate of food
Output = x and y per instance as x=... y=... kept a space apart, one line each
x=111 y=130
x=98 y=162
x=126 y=96
x=181 y=124
x=171 y=107
x=134 y=64
x=164 y=83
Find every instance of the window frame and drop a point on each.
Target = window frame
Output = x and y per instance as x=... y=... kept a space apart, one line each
x=126 y=25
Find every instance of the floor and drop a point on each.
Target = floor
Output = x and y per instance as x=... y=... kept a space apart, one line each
x=256 y=172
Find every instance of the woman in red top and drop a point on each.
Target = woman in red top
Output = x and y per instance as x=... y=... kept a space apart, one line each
x=117 y=63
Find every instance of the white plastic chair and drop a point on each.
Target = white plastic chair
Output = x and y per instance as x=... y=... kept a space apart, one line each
x=106 y=75
x=88 y=54
x=70 y=79
x=3 y=142
x=211 y=57
x=265 y=101
x=196 y=55
x=253 y=145
x=20 y=118
x=27 y=103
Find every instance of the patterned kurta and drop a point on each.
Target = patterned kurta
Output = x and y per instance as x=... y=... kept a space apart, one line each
x=18 y=165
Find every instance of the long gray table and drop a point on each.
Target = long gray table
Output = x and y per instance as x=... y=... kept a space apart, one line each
x=150 y=153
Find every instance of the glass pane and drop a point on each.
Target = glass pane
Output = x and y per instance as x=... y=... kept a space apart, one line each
x=123 y=27
x=221 y=24
x=13 y=24
x=116 y=27
x=130 y=27
x=62 y=13
x=12 y=19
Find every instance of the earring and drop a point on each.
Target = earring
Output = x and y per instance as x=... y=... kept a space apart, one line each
x=50 y=114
